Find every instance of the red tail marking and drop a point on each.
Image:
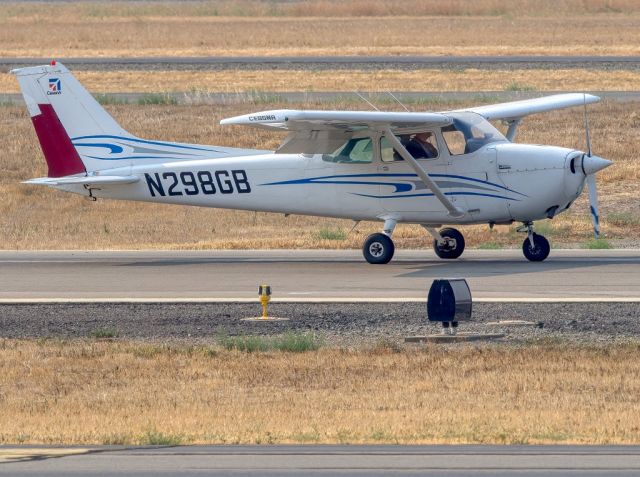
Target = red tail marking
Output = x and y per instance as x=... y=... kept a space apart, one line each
x=62 y=158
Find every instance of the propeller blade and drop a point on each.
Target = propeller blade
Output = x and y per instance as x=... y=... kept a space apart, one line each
x=586 y=127
x=593 y=204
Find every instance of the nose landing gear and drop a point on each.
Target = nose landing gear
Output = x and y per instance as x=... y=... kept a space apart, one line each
x=535 y=247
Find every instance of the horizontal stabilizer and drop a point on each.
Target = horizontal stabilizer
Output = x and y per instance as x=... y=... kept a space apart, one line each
x=91 y=181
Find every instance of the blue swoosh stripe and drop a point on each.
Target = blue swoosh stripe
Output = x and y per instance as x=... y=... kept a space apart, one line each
x=400 y=186
x=321 y=180
x=136 y=157
x=478 y=180
x=113 y=148
x=144 y=141
x=495 y=196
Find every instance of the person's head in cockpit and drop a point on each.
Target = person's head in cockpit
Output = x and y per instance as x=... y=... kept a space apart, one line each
x=421 y=147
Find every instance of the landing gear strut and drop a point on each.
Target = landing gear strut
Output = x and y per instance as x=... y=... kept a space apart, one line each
x=449 y=244
x=378 y=249
x=535 y=247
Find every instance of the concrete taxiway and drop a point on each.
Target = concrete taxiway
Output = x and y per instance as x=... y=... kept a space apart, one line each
x=334 y=460
x=313 y=276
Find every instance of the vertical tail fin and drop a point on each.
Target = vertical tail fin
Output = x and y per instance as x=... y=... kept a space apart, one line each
x=61 y=109
x=78 y=136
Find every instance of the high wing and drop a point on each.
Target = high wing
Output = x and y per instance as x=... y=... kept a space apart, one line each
x=516 y=110
x=291 y=119
x=317 y=132
x=314 y=132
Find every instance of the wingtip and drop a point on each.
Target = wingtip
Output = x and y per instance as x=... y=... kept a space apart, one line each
x=592 y=98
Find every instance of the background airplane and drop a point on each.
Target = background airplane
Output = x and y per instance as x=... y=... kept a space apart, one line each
x=432 y=169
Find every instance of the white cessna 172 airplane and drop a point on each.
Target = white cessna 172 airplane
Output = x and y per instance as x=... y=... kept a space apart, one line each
x=451 y=167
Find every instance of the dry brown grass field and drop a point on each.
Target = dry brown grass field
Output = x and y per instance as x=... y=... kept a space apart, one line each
x=37 y=218
x=93 y=392
x=430 y=80
x=432 y=27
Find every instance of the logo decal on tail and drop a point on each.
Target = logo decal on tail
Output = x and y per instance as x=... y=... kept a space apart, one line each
x=54 y=86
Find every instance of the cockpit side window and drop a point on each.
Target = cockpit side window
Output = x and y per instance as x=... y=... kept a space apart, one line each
x=354 y=151
x=420 y=146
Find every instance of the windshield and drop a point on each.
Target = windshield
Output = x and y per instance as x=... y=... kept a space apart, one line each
x=469 y=132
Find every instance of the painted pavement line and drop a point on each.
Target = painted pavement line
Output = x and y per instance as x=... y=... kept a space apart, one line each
x=205 y=300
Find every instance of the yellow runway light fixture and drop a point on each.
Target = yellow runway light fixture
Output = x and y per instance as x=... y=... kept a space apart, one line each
x=264 y=291
x=264 y=294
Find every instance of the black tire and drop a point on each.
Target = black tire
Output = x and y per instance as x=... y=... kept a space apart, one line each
x=378 y=249
x=539 y=251
x=452 y=251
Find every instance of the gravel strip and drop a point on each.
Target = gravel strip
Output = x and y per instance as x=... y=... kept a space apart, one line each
x=340 y=324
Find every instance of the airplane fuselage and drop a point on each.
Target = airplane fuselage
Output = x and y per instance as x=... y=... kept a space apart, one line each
x=499 y=183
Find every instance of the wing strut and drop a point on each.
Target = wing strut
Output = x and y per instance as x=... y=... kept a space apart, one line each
x=513 y=128
x=453 y=210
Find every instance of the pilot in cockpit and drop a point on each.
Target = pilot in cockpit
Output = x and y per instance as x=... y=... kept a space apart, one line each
x=421 y=146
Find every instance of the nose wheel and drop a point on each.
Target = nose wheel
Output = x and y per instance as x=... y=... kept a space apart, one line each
x=536 y=248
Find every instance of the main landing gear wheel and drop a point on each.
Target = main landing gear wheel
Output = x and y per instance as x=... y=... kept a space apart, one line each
x=540 y=249
x=378 y=249
x=452 y=246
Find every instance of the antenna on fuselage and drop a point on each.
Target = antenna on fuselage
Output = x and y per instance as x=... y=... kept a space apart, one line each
x=398 y=101
x=355 y=224
x=366 y=101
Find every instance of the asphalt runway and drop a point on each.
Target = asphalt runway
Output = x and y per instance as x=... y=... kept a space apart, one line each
x=339 y=62
x=313 y=276
x=336 y=461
